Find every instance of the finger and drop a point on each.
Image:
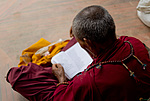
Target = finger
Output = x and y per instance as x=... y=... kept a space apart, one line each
x=54 y=67
x=59 y=66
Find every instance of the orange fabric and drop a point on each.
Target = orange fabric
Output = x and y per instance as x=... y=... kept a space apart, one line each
x=28 y=55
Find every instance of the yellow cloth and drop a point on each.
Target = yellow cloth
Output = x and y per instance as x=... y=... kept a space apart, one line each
x=28 y=55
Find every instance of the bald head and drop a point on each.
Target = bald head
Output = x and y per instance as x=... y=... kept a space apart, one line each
x=94 y=23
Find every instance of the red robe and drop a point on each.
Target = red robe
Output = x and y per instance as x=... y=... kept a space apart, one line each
x=105 y=82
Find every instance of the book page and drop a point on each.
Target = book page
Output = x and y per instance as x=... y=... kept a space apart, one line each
x=81 y=58
x=69 y=66
x=74 y=60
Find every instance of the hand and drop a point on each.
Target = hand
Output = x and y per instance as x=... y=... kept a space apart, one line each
x=58 y=71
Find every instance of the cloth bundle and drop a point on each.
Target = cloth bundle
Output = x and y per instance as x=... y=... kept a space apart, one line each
x=143 y=11
x=41 y=52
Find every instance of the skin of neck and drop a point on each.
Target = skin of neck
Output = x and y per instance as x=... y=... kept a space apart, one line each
x=94 y=48
x=101 y=48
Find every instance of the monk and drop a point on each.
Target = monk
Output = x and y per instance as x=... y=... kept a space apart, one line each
x=120 y=70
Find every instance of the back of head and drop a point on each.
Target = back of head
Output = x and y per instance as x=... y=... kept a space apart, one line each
x=94 y=23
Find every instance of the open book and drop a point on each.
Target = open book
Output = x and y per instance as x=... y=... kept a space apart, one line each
x=74 y=60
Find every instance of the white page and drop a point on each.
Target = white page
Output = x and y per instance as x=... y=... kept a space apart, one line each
x=74 y=60
x=69 y=66
x=81 y=58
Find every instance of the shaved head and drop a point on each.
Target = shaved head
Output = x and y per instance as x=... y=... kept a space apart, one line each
x=94 y=23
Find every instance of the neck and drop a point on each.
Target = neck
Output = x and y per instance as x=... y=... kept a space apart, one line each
x=101 y=48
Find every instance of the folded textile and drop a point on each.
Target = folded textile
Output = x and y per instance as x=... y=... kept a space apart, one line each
x=143 y=11
x=28 y=55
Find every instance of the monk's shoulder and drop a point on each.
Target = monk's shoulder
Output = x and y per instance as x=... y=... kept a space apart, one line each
x=112 y=75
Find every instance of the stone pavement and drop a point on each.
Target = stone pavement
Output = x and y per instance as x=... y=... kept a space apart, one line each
x=24 y=22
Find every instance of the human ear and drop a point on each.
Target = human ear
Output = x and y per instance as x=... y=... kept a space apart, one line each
x=71 y=35
x=90 y=47
x=88 y=43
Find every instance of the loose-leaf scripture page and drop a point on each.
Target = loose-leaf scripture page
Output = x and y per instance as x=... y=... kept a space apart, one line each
x=74 y=60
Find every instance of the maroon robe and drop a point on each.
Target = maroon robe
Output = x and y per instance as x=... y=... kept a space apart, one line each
x=105 y=82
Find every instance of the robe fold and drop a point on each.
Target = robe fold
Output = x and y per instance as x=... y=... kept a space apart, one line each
x=109 y=81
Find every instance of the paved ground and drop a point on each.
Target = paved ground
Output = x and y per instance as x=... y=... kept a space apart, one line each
x=24 y=22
